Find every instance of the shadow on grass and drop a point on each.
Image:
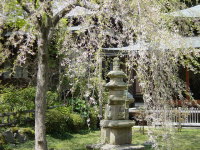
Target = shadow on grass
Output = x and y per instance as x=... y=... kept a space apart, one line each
x=68 y=135
x=62 y=136
x=83 y=132
x=148 y=148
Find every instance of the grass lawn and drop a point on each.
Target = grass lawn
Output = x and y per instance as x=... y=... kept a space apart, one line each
x=187 y=139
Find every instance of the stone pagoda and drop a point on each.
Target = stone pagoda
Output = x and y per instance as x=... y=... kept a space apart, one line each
x=116 y=128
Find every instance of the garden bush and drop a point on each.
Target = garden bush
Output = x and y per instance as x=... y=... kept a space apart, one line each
x=93 y=117
x=80 y=106
x=55 y=121
x=87 y=112
x=25 y=121
x=78 y=122
x=62 y=119
x=29 y=132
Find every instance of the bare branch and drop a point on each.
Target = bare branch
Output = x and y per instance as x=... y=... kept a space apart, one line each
x=24 y=7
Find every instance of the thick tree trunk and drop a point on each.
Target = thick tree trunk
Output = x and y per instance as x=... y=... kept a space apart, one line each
x=42 y=84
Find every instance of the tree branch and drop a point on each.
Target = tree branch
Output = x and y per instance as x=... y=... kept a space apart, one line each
x=24 y=7
x=61 y=14
x=35 y=3
x=68 y=8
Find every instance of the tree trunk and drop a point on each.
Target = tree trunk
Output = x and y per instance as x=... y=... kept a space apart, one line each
x=40 y=100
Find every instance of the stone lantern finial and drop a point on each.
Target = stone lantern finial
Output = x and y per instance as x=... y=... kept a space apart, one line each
x=116 y=64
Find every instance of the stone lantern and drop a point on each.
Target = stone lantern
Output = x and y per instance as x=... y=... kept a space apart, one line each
x=116 y=129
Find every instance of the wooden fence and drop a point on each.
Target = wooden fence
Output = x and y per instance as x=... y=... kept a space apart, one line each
x=11 y=118
x=175 y=116
x=179 y=116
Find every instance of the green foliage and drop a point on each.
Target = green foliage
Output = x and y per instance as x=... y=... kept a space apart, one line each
x=25 y=121
x=2 y=140
x=28 y=131
x=51 y=98
x=87 y=112
x=78 y=122
x=14 y=99
x=65 y=110
x=80 y=106
x=93 y=117
x=62 y=119
x=56 y=121
x=63 y=22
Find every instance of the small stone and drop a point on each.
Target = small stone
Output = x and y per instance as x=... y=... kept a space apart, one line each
x=9 y=138
x=21 y=138
x=148 y=143
x=1 y=148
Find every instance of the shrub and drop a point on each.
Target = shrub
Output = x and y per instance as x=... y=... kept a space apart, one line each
x=93 y=119
x=28 y=131
x=51 y=98
x=81 y=107
x=25 y=121
x=78 y=122
x=65 y=110
x=14 y=129
x=13 y=99
x=55 y=121
x=62 y=119
x=87 y=112
x=27 y=97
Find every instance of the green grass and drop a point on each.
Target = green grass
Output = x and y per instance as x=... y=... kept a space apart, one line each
x=65 y=142
x=188 y=139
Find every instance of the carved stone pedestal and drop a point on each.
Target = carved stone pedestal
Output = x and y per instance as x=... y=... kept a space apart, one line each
x=116 y=132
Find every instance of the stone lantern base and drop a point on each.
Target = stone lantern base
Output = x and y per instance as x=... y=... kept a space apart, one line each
x=116 y=132
x=116 y=135
x=114 y=147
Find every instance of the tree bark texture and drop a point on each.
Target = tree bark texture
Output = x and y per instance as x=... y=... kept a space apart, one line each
x=40 y=100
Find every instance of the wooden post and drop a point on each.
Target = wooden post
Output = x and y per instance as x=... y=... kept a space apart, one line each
x=101 y=88
x=187 y=79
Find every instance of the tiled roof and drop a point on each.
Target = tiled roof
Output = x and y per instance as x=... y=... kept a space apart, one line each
x=193 y=12
x=184 y=42
x=77 y=11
